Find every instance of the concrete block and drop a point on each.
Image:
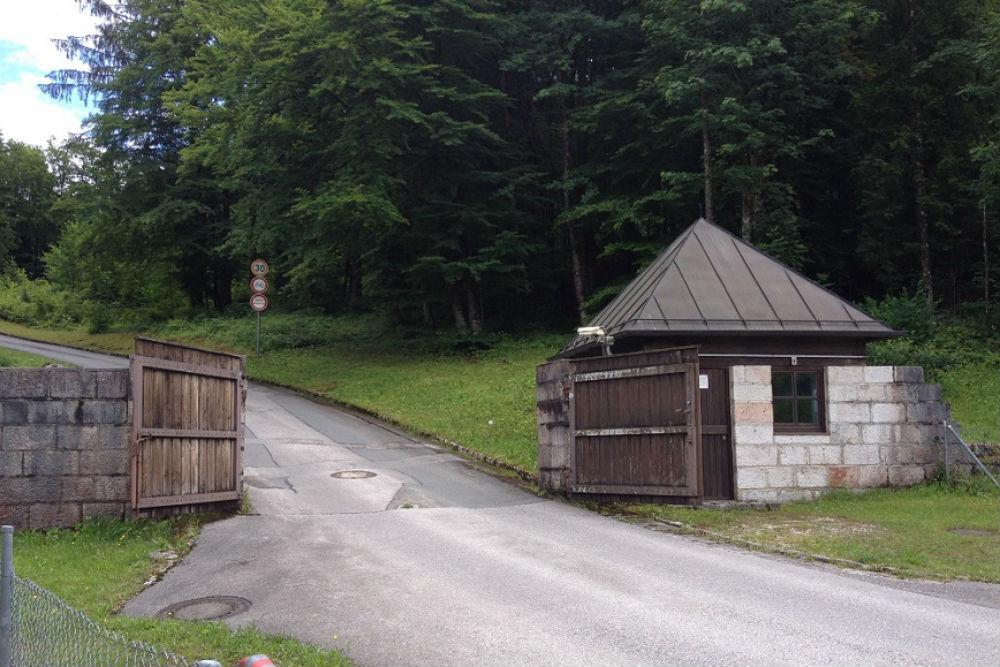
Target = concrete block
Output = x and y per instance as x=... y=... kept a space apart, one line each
x=880 y=374
x=111 y=462
x=10 y=464
x=877 y=434
x=923 y=454
x=861 y=455
x=114 y=437
x=826 y=455
x=70 y=383
x=14 y=515
x=108 y=488
x=904 y=475
x=753 y=413
x=29 y=437
x=29 y=490
x=758 y=375
x=845 y=434
x=756 y=455
x=76 y=489
x=844 y=393
x=22 y=383
x=929 y=392
x=751 y=478
x=796 y=495
x=843 y=477
x=811 y=477
x=51 y=463
x=77 y=437
x=753 y=434
x=54 y=412
x=104 y=412
x=15 y=412
x=112 y=384
x=758 y=495
x=804 y=439
x=751 y=393
x=104 y=510
x=920 y=413
x=851 y=413
x=902 y=393
x=845 y=375
x=793 y=455
x=780 y=477
x=870 y=477
x=53 y=515
x=890 y=413
x=910 y=374
x=875 y=393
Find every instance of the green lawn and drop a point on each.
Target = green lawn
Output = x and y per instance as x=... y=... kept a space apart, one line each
x=99 y=565
x=907 y=531
x=15 y=359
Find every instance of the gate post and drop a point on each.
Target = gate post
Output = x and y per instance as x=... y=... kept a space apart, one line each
x=553 y=386
x=6 y=593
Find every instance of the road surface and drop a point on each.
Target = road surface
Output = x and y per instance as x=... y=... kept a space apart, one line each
x=402 y=554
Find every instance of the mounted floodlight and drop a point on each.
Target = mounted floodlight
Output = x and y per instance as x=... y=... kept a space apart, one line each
x=590 y=331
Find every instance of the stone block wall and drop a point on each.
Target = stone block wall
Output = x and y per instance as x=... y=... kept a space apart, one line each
x=64 y=445
x=884 y=429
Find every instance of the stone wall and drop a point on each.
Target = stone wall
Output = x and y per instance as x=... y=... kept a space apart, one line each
x=64 y=445
x=884 y=429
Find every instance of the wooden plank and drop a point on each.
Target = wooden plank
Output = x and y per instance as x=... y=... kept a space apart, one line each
x=638 y=430
x=188 y=499
x=187 y=368
x=187 y=433
x=633 y=490
x=618 y=374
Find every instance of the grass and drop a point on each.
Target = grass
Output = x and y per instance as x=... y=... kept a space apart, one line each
x=905 y=531
x=15 y=359
x=973 y=390
x=97 y=566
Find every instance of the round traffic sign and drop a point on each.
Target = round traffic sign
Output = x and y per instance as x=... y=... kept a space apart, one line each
x=258 y=285
x=258 y=302
x=259 y=267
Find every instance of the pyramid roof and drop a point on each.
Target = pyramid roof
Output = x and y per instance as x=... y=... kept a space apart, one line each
x=710 y=282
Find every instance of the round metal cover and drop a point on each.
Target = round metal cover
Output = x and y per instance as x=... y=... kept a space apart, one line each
x=210 y=608
x=353 y=474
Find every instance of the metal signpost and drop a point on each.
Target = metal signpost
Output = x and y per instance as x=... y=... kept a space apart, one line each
x=258 y=285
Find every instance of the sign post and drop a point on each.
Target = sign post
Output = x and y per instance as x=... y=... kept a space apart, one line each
x=258 y=285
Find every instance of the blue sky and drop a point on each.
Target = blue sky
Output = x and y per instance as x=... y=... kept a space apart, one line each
x=26 y=56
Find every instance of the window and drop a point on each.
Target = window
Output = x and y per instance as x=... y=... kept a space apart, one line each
x=797 y=397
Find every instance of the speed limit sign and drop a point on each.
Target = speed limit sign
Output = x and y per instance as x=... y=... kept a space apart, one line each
x=259 y=267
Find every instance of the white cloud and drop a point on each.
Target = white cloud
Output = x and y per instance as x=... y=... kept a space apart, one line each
x=27 y=28
x=28 y=115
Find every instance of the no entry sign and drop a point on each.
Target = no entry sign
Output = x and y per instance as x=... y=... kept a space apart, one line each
x=258 y=302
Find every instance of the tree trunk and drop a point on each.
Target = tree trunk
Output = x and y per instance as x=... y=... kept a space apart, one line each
x=472 y=307
x=751 y=202
x=706 y=144
x=461 y=325
x=986 y=265
x=922 y=223
x=576 y=258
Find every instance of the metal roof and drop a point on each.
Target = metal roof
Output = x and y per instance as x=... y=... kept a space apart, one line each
x=711 y=282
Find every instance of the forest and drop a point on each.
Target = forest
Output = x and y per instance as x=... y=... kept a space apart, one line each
x=487 y=165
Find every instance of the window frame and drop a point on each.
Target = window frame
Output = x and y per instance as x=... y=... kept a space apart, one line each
x=802 y=427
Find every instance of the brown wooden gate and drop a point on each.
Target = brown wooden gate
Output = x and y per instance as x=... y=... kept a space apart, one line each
x=187 y=427
x=634 y=421
x=716 y=436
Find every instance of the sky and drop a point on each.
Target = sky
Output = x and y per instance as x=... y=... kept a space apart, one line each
x=27 y=54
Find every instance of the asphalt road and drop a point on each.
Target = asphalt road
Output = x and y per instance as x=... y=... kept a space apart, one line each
x=427 y=561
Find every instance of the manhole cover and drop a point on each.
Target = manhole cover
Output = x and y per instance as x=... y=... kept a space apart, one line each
x=973 y=531
x=353 y=474
x=206 y=609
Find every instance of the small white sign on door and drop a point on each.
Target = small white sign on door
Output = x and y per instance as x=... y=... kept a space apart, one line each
x=703 y=381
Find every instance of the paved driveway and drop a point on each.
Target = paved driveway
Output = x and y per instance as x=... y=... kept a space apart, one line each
x=430 y=562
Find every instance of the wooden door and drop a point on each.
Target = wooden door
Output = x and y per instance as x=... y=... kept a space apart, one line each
x=187 y=427
x=634 y=422
x=716 y=436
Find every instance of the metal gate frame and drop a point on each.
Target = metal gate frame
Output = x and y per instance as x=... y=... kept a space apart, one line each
x=141 y=432
x=693 y=462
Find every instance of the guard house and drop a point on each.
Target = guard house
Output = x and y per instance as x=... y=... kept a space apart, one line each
x=721 y=374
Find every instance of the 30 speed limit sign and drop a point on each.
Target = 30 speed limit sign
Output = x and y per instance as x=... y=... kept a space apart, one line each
x=259 y=267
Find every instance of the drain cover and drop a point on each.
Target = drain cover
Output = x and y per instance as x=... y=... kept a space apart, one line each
x=205 y=609
x=353 y=474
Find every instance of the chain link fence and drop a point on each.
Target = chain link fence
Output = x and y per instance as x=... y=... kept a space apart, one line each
x=37 y=629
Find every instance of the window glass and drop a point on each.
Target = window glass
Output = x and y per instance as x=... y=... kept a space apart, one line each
x=807 y=412
x=781 y=384
x=783 y=411
x=805 y=384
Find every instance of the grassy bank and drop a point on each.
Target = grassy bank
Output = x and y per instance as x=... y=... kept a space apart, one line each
x=936 y=530
x=15 y=359
x=99 y=565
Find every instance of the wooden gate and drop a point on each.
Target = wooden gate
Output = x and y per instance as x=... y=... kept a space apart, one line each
x=634 y=421
x=187 y=428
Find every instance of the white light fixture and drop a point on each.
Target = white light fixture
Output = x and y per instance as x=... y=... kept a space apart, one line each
x=590 y=331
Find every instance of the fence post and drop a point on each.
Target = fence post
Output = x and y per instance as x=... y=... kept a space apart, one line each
x=6 y=593
x=947 y=477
